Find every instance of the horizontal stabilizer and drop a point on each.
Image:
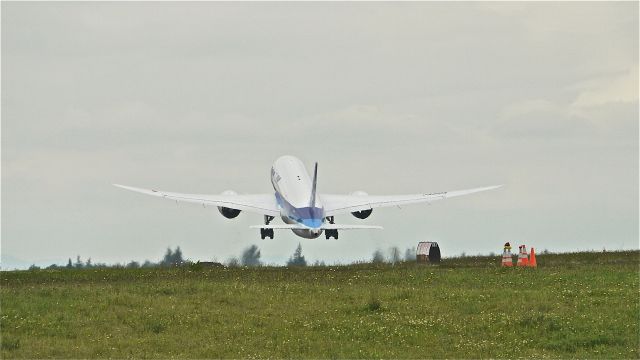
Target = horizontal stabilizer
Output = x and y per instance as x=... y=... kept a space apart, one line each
x=323 y=227
x=349 y=227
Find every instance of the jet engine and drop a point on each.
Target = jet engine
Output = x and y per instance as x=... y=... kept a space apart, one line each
x=364 y=213
x=229 y=213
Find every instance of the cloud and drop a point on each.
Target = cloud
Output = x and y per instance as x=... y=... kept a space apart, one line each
x=526 y=107
x=601 y=91
x=388 y=97
x=580 y=109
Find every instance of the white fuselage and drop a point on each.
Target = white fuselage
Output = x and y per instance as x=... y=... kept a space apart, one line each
x=294 y=189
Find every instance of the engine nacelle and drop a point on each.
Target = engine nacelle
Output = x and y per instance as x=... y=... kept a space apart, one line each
x=228 y=212
x=364 y=213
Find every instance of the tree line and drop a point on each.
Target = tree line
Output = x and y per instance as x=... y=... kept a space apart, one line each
x=171 y=258
x=249 y=257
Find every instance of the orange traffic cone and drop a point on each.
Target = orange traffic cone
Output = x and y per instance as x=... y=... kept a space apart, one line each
x=522 y=256
x=532 y=260
x=507 y=261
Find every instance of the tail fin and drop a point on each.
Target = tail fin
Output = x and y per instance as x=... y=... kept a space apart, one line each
x=312 y=203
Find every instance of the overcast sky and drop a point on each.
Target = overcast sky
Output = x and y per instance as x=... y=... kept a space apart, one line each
x=389 y=98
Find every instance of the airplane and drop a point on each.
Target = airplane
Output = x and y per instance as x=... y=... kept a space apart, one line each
x=305 y=212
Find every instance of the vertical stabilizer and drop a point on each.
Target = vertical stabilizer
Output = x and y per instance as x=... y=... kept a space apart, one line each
x=312 y=203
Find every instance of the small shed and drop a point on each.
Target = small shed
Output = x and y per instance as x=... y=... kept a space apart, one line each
x=428 y=252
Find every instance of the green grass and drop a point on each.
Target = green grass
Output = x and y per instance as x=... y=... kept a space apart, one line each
x=583 y=305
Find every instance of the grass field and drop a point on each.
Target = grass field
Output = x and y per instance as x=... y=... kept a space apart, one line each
x=582 y=305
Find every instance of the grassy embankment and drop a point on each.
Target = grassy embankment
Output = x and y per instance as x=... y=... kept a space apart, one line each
x=582 y=305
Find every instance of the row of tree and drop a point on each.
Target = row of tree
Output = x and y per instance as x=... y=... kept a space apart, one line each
x=171 y=258
x=394 y=255
x=249 y=257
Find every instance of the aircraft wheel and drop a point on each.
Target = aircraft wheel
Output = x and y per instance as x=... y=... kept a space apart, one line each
x=331 y=233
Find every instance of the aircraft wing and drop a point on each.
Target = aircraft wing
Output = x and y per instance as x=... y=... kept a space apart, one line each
x=323 y=227
x=264 y=204
x=342 y=204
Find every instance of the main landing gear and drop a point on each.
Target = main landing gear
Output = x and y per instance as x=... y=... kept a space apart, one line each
x=264 y=233
x=331 y=233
